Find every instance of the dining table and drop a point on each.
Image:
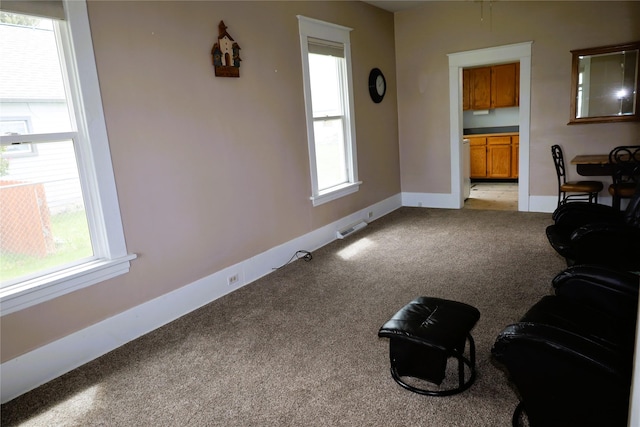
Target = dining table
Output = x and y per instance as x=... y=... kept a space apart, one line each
x=592 y=164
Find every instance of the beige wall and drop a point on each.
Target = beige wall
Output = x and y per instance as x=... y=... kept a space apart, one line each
x=211 y=171
x=425 y=36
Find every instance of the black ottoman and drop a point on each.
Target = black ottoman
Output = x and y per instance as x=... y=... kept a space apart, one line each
x=424 y=334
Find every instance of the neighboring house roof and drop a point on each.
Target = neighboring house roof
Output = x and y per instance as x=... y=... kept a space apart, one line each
x=29 y=64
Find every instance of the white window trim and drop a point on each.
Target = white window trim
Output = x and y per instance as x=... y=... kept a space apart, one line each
x=336 y=33
x=110 y=249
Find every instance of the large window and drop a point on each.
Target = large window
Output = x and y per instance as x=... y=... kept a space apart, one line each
x=326 y=64
x=59 y=223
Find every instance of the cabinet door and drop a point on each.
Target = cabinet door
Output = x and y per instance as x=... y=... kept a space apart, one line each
x=504 y=79
x=481 y=88
x=478 y=160
x=499 y=157
x=515 y=155
x=517 y=83
x=466 y=89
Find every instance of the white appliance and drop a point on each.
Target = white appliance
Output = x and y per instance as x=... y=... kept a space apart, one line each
x=466 y=169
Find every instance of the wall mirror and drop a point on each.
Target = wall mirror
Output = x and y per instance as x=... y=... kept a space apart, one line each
x=604 y=84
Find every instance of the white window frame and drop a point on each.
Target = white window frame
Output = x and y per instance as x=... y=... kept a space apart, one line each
x=313 y=28
x=103 y=212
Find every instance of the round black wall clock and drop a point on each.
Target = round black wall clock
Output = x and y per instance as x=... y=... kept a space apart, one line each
x=377 y=85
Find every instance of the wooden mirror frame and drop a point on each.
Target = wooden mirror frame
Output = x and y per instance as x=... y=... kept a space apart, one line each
x=574 y=84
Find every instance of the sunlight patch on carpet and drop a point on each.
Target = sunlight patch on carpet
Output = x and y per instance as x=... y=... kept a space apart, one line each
x=356 y=248
x=75 y=409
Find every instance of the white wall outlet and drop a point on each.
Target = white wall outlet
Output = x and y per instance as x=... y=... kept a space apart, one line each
x=232 y=280
x=419 y=204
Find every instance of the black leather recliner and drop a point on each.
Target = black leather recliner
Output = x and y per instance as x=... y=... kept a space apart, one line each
x=570 y=357
x=601 y=288
x=585 y=233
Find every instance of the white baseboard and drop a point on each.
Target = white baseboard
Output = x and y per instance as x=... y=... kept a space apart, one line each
x=543 y=203
x=430 y=200
x=30 y=370
x=550 y=203
x=447 y=201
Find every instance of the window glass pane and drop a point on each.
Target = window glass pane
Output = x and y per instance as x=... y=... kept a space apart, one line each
x=32 y=84
x=43 y=223
x=324 y=76
x=331 y=160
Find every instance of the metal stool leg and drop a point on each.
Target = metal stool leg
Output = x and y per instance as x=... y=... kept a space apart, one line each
x=462 y=361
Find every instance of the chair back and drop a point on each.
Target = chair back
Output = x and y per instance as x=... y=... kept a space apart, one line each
x=632 y=213
x=558 y=161
x=625 y=161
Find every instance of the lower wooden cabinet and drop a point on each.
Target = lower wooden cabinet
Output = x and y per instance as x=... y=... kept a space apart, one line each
x=515 y=155
x=499 y=157
x=494 y=156
x=478 y=157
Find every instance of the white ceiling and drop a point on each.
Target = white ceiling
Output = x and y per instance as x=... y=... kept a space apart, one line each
x=398 y=5
x=395 y=5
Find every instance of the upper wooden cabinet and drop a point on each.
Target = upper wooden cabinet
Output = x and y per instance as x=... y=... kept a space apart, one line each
x=480 y=88
x=505 y=85
x=496 y=86
x=466 y=89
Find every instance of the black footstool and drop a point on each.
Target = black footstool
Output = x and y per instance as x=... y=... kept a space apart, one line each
x=424 y=334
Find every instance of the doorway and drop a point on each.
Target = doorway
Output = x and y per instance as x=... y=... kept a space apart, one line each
x=520 y=52
x=493 y=196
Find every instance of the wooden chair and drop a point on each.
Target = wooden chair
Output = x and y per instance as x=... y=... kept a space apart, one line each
x=582 y=190
x=625 y=161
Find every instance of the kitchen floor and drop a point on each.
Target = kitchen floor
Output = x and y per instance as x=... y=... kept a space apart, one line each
x=496 y=196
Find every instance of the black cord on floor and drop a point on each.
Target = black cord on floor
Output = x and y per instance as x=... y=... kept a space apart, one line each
x=306 y=255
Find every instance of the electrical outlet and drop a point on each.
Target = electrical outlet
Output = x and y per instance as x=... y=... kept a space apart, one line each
x=232 y=280
x=419 y=204
x=370 y=214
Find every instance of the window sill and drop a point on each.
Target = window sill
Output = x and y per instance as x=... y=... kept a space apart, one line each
x=334 y=193
x=31 y=292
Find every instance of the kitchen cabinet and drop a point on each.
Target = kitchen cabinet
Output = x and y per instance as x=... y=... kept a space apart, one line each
x=497 y=86
x=480 y=91
x=478 y=156
x=494 y=156
x=505 y=85
x=466 y=89
x=499 y=157
x=515 y=155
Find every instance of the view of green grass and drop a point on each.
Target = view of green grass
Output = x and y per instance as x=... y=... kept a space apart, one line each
x=72 y=242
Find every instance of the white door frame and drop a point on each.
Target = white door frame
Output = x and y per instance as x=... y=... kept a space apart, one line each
x=494 y=55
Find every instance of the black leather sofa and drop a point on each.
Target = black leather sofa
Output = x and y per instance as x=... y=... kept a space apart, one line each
x=586 y=233
x=570 y=357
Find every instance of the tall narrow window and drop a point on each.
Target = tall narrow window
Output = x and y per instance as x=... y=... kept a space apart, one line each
x=328 y=93
x=55 y=234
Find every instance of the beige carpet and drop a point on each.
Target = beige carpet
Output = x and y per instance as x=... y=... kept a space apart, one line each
x=300 y=347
